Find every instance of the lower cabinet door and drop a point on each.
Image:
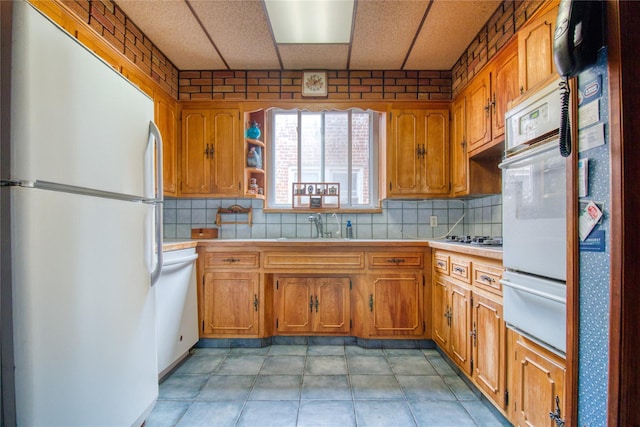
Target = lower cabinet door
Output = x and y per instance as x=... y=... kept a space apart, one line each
x=230 y=304
x=441 y=312
x=314 y=305
x=294 y=305
x=331 y=305
x=489 y=341
x=538 y=384
x=395 y=304
x=460 y=339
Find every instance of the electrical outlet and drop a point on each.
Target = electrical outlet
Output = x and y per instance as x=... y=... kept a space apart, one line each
x=433 y=221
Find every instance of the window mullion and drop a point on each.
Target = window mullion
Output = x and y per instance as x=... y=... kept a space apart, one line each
x=299 y=135
x=322 y=147
x=350 y=157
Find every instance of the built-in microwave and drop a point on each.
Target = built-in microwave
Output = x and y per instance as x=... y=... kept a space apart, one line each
x=537 y=118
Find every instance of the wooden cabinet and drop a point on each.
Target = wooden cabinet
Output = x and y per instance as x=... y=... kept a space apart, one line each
x=230 y=294
x=535 y=49
x=504 y=87
x=395 y=304
x=230 y=304
x=489 y=347
x=467 y=319
x=418 y=153
x=452 y=320
x=312 y=305
x=395 y=293
x=166 y=118
x=211 y=153
x=477 y=126
x=478 y=109
x=536 y=383
x=488 y=97
x=459 y=162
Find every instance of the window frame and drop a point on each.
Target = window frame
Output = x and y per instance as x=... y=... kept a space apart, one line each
x=374 y=159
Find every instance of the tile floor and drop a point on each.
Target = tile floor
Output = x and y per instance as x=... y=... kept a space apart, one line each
x=318 y=385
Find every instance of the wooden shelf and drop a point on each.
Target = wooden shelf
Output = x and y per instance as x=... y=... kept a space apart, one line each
x=233 y=210
x=315 y=195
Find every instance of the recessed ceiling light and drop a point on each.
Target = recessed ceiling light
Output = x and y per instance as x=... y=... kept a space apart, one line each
x=310 y=21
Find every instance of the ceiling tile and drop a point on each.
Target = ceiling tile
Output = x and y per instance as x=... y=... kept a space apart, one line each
x=322 y=56
x=171 y=26
x=241 y=32
x=383 y=32
x=447 y=31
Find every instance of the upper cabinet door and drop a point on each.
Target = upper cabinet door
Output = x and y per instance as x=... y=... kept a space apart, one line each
x=505 y=86
x=404 y=152
x=167 y=120
x=195 y=153
x=418 y=153
x=459 y=162
x=479 y=111
x=535 y=49
x=436 y=152
x=211 y=153
x=227 y=165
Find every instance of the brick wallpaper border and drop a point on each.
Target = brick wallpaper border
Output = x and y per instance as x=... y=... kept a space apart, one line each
x=110 y=22
x=341 y=85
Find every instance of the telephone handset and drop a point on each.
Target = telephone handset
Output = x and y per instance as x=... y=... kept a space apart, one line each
x=578 y=35
x=577 y=39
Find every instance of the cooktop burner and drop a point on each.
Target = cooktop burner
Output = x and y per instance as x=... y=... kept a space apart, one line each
x=475 y=240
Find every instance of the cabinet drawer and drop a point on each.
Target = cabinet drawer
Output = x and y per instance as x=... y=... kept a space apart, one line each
x=461 y=269
x=314 y=260
x=486 y=276
x=396 y=259
x=441 y=263
x=240 y=260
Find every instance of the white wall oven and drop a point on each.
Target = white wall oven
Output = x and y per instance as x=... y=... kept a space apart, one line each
x=534 y=221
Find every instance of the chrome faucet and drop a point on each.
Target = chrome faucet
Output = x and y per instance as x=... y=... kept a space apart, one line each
x=317 y=220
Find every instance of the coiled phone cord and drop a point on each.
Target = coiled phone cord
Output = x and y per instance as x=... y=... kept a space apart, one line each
x=565 y=125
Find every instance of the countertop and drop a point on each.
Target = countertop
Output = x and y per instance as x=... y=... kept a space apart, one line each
x=493 y=252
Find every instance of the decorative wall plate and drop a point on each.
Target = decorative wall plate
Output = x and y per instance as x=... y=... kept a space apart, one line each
x=314 y=83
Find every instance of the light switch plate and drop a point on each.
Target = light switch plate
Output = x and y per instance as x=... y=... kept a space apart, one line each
x=433 y=221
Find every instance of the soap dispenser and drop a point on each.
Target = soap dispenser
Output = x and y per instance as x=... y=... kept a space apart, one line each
x=349 y=234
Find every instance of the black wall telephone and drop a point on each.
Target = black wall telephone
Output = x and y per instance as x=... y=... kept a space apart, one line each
x=577 y=39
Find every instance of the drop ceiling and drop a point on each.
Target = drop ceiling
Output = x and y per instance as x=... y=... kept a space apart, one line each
x=236 y=35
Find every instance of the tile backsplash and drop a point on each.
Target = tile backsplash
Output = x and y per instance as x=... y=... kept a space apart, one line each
x=399 y=219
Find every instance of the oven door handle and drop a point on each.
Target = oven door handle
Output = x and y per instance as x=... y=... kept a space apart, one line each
x=528 y=153
x=535 y=292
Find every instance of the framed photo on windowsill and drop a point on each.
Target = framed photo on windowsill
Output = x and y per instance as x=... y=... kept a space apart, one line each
x=314 y=83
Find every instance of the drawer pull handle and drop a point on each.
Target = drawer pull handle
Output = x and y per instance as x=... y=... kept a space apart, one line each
x=395 y=261
x=311 y=304
x=488 y=279
x=231 y=260
x=441 y=264
x=316 y=303
x=459 y=270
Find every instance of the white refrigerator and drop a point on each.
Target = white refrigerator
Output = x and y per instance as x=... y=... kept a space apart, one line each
x=81 y=234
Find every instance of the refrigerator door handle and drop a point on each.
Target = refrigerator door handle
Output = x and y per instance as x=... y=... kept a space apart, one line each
x=153 y=169
x=154 y=176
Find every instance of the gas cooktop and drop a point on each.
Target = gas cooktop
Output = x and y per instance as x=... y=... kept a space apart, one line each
x=475 y=240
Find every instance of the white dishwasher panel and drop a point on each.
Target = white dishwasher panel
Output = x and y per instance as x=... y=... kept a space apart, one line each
x=176 y=308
